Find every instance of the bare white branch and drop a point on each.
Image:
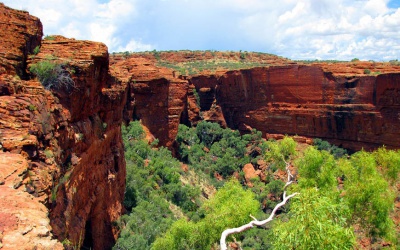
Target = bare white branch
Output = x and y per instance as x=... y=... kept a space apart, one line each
x=256 y=222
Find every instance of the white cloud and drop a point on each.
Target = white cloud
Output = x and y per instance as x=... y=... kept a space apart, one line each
x=134 y=46
x=299 y=29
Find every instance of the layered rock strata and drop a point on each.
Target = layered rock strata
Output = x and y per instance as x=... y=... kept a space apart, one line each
x=62 y=172
x=354 y=112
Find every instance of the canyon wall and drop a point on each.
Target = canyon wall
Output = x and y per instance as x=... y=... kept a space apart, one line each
x=354 y=112
x=62 y=167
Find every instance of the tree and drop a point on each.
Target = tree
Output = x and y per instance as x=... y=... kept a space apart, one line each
x=315 y=221
x=368 y=195
x=231 y=206
x=256 y=222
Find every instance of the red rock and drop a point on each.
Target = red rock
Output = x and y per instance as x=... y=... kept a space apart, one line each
x=250 y=173
x=354 y=112
x=54 y=134
x=20 y=34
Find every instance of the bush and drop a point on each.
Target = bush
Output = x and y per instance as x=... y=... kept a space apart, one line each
x=230 y=207
x=315 y=221
x=337 y=152
x=367 y=71
x=36 y=50
x=368 y=195
x=52 y=75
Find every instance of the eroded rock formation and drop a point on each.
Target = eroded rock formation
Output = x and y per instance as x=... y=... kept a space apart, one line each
x=355 y=112
x=62 y=161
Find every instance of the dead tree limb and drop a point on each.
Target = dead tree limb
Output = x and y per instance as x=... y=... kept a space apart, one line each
x=256 y=222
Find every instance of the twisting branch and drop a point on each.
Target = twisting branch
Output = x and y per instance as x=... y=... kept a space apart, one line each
x=256 y=222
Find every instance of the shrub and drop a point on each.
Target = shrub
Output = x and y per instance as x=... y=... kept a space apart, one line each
x=337 y=152
x=230 y=207
x=367 y=71
x=315 y=221
x=52 y=75
x=49 y=37
x=36 y=50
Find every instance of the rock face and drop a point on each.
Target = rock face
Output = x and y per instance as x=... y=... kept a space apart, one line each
x=62 y=168
x=20 y=34
x=156 y=97
x=355 y=112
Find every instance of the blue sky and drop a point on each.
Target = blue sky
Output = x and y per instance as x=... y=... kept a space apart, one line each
x=297 y=29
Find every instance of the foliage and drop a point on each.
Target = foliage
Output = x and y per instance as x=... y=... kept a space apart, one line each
x=212 y=149
x=279 y=152
x=153 y=179
x=367 y=71
x=36 y=50
x=336 y=192
x=317 y=169
x=230 y=207
x=197 y=97
x=389 y=161
x=315 y=221
x=367 y=194
x=146 y=221
x=32 y=107
x=198 y=66
x=336 y=151
x=52 y=75
x=47 y=37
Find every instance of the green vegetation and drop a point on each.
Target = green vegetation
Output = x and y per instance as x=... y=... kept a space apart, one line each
x=221 y=211
x=341 y=198
x=52 y=75
x=319 y=61
x=315 y=221
x=47 y=37
x=36 y=50
x=332 y=149
x=197 y=66
x=32 y=107
x=367 y=71
x=212 y=150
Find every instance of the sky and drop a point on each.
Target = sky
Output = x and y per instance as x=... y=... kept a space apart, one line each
x=296 y=29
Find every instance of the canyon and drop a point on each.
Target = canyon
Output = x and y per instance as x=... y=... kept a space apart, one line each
x=62 y=166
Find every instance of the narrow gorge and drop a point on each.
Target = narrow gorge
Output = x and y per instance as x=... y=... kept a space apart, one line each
x=62 y=166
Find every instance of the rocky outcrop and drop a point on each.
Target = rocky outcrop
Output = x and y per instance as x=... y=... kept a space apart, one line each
x=20 y=34
x=354 y=112
x=156 y=97
x=62 y=168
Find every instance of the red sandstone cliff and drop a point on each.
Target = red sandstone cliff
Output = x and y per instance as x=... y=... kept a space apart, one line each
x=61 y=151
x=156 y=97
x=355 y=112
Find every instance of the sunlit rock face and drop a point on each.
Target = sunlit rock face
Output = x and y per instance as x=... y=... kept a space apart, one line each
x=352 y=111
x=62 y=160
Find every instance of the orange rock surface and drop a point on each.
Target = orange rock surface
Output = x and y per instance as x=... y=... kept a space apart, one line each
x=156 y=96
x=354 y=111
x=62 y=170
